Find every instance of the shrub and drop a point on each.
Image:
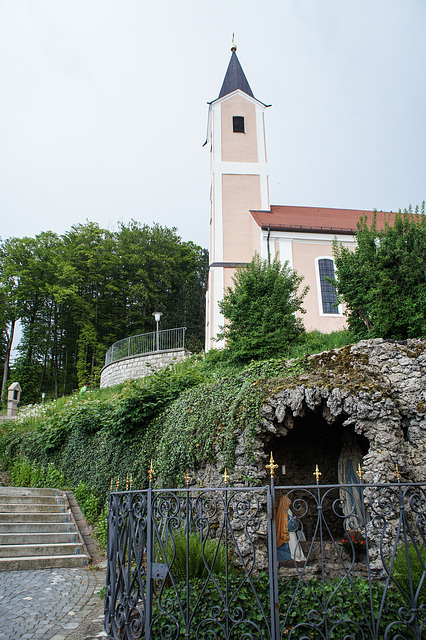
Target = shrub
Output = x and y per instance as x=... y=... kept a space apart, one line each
x=24 y=473
x=260 y=310
x=346 y=604
x=409 y=569
x=205 y=555
x=101 y=532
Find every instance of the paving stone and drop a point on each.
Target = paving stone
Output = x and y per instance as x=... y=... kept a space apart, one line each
x=48 y=604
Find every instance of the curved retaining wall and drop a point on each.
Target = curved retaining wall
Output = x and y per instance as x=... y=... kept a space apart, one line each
x=138 y=366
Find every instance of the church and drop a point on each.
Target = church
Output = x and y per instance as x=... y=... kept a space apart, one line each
x=243 y=222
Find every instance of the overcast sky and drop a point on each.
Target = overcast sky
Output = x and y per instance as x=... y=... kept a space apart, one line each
x=103 y=106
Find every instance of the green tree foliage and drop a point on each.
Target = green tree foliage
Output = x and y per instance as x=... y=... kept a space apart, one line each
x=260 y=310
x=74 y=295
x=383 y=282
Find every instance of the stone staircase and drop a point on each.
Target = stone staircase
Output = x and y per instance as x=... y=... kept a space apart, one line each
x=38 y=530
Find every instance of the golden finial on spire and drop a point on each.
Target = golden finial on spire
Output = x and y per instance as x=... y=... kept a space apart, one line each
x=234 y=46
x=317 y=473
x=271 y=466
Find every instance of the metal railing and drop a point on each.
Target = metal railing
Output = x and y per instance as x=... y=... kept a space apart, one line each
x=202 y=563
x=166 y=340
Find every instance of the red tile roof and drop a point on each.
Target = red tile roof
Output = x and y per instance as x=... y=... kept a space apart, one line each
x=315 y=219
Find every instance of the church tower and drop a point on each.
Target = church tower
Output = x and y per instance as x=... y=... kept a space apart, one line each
x=238 y=184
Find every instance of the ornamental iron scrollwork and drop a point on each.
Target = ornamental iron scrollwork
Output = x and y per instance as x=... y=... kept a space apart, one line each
x=201 y=563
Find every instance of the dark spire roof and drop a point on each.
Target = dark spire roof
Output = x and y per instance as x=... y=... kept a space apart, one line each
x=235 y=78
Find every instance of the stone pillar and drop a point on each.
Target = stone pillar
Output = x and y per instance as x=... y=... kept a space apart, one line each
x=13 y=397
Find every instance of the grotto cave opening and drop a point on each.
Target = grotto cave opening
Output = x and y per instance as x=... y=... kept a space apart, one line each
x=313 y=441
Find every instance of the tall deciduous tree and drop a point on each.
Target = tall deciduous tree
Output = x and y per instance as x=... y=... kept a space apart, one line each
x=383 y=282
x=75 y=295
x=260 y=310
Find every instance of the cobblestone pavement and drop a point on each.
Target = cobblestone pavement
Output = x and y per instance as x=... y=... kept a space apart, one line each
x=51 y=604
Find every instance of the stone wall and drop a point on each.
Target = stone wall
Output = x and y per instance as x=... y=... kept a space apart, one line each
x=376 y=390
x=138 y=366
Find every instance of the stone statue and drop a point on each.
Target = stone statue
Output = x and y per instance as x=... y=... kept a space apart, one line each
x=350 y=458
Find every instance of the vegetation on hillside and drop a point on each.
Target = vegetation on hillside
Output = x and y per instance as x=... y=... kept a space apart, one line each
x=75 y=295
x=383 y=281
x=179 y=417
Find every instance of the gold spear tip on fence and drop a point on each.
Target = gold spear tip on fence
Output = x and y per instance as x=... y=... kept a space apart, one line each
x=187 y=478
x=271 y=466
x=127 y=481
x=317 y=473
x=131 y=482
x=398 y=474
x=151 y=472
x=360 y=474
x=225 y=477
x=117 y=483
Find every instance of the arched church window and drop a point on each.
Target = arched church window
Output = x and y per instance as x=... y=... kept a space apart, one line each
x=328 y=292
x=238 y=124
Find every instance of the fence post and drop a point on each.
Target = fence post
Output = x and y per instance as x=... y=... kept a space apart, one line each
x=149 y=560
x=273 y=562
x=111 y=577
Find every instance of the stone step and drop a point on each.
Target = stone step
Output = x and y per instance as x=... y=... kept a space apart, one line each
x=29 y=491
x=33 y=499
x=35 y=527
x=34 y=517
x=37 y=530
x=293 y=572
x=38 y=538
x=23 y=507
x=42 y=562
x=29 y=550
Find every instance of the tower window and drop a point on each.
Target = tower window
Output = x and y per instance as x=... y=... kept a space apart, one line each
x=328 y=292
x=238 y=124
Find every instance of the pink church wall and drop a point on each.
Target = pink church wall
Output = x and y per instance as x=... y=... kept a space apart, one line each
x=304 y=262
x=239 y=147
x=240 y=194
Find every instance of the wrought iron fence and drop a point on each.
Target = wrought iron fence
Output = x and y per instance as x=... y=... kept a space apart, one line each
x=201 y=563
x=165 y=340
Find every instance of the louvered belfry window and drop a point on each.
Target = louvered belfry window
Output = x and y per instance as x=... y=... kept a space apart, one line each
x=328 y=292
x=238 y=124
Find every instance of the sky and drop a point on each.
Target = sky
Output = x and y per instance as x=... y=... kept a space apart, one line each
x=103 y=107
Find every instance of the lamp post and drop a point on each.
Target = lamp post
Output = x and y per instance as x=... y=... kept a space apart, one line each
x=157 y=315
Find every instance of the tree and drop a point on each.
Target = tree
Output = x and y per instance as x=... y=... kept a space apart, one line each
x=75 y=295
x=260 y=310
x=13 y=255
x=160 y=272
x=383 y=282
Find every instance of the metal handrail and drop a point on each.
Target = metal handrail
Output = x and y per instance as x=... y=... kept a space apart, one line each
x=165 y=340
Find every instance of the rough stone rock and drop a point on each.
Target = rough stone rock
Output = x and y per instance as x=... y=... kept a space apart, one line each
x=375 y=388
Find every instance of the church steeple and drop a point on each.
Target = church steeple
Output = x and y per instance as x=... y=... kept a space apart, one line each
x=235 y=77
x=239 y=182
